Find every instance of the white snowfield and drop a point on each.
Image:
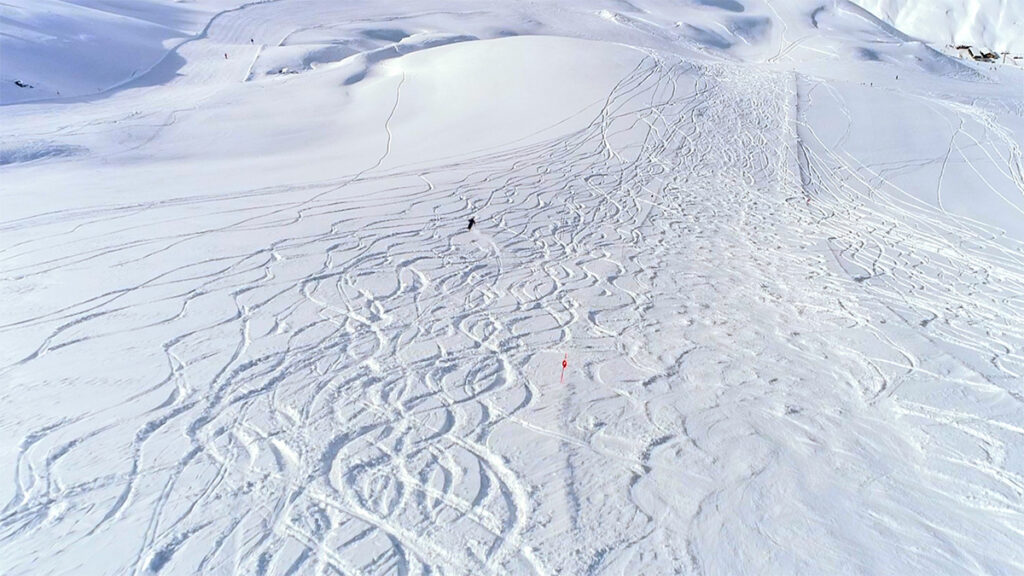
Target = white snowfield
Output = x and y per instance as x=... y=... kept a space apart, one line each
x=244 y=328
x=992 y=25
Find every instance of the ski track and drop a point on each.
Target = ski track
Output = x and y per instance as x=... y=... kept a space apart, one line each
x=333 y=399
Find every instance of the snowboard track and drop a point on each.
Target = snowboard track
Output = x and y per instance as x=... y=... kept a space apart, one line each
x=342 y=386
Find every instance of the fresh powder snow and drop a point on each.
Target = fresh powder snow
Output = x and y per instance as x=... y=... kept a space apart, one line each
x=993 y=25
x=468 y=287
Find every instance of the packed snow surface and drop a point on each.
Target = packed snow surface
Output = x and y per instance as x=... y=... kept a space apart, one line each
x=778 y=248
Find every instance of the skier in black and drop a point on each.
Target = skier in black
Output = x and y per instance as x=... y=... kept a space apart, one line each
x=472 y=221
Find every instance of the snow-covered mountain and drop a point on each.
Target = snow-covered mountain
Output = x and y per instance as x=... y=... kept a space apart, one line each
x=742 y=293
x=82 y=47
x=993 y=25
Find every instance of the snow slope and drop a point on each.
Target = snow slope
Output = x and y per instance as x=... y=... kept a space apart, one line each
x=83 y=47
x=991 y=25
x=780 y=247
